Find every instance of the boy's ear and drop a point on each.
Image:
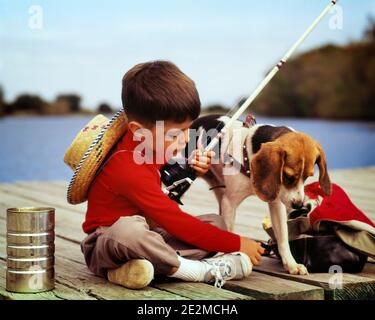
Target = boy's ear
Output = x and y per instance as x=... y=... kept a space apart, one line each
x=134 y=126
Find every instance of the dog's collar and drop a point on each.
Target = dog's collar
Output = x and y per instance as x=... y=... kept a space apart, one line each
x=245 y=165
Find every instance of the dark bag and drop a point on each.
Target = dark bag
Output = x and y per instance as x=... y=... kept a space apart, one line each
x=319 y=251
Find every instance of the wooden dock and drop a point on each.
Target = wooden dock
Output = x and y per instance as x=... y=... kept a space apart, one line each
x=267 y=281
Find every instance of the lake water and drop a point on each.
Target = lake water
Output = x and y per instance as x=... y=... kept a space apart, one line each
x=32 y=148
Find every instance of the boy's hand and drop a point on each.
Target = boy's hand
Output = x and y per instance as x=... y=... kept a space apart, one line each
x=253 y=249
x=201 y=161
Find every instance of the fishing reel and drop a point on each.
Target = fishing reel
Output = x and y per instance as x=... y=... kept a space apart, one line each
x=177 y=178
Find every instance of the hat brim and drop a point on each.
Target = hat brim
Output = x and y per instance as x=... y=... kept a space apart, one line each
x=91 y=162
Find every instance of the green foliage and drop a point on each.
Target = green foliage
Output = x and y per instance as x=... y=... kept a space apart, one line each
x=329 y=82
x=104 y=108
x=370 y=31
x=27 y=103
x=73 y=101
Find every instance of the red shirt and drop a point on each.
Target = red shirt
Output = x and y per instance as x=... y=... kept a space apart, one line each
x=125 y=188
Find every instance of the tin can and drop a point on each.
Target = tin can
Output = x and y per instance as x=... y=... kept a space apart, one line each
x=30 y=249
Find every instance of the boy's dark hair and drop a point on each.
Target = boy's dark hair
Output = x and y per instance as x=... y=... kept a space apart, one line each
x=159 y=90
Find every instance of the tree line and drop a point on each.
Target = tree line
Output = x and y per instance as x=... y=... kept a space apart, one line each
x=34 y=104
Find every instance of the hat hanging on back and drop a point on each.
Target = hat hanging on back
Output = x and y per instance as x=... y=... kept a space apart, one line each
x=88 y=150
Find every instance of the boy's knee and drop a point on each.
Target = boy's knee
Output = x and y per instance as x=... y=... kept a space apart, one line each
x=128 y=229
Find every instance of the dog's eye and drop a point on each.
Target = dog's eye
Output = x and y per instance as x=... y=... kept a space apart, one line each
x=288 y=179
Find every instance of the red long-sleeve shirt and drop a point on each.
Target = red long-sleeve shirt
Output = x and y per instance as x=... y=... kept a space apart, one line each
x=125 y=188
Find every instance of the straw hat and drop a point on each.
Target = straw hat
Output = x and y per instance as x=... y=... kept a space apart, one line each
x=88 y=150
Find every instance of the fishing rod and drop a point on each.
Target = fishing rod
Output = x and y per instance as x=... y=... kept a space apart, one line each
x=178 y=177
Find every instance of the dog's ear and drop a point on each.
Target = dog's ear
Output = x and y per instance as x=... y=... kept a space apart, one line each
x=266 y=171
x=324 y=180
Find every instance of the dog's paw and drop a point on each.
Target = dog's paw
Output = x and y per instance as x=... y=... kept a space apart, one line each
x=296 y=268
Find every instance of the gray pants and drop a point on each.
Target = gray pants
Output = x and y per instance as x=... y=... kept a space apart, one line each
x=131 y=238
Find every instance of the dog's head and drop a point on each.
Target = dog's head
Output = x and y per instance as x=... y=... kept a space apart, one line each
x=280 y=168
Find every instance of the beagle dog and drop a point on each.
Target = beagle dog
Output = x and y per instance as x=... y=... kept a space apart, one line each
x=263 y=160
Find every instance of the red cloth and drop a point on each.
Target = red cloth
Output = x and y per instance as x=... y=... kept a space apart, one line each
x=337 y=207
x=125 y=188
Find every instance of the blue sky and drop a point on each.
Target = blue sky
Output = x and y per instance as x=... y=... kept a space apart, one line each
x=85 y=47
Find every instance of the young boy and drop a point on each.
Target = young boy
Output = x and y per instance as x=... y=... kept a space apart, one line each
x=134 y=229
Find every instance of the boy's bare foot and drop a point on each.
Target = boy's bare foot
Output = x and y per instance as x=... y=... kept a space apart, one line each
x=134 y=274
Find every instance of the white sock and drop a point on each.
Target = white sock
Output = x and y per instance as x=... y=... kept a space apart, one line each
x=191 y=270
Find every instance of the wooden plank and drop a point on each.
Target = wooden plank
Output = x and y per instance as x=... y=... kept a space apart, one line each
x=358 y=187
x=60 y=292
x=368 y=271
x=56 y=187
x=76 y=276
x=200 y=291
x=247 y=232
x=68 y=223
x=353 y=286
x=49 y=199
x=363 y=180
x=243 y=231
x=354 y=172
x=263 y=286
x=357 y=193
x=60 y=185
